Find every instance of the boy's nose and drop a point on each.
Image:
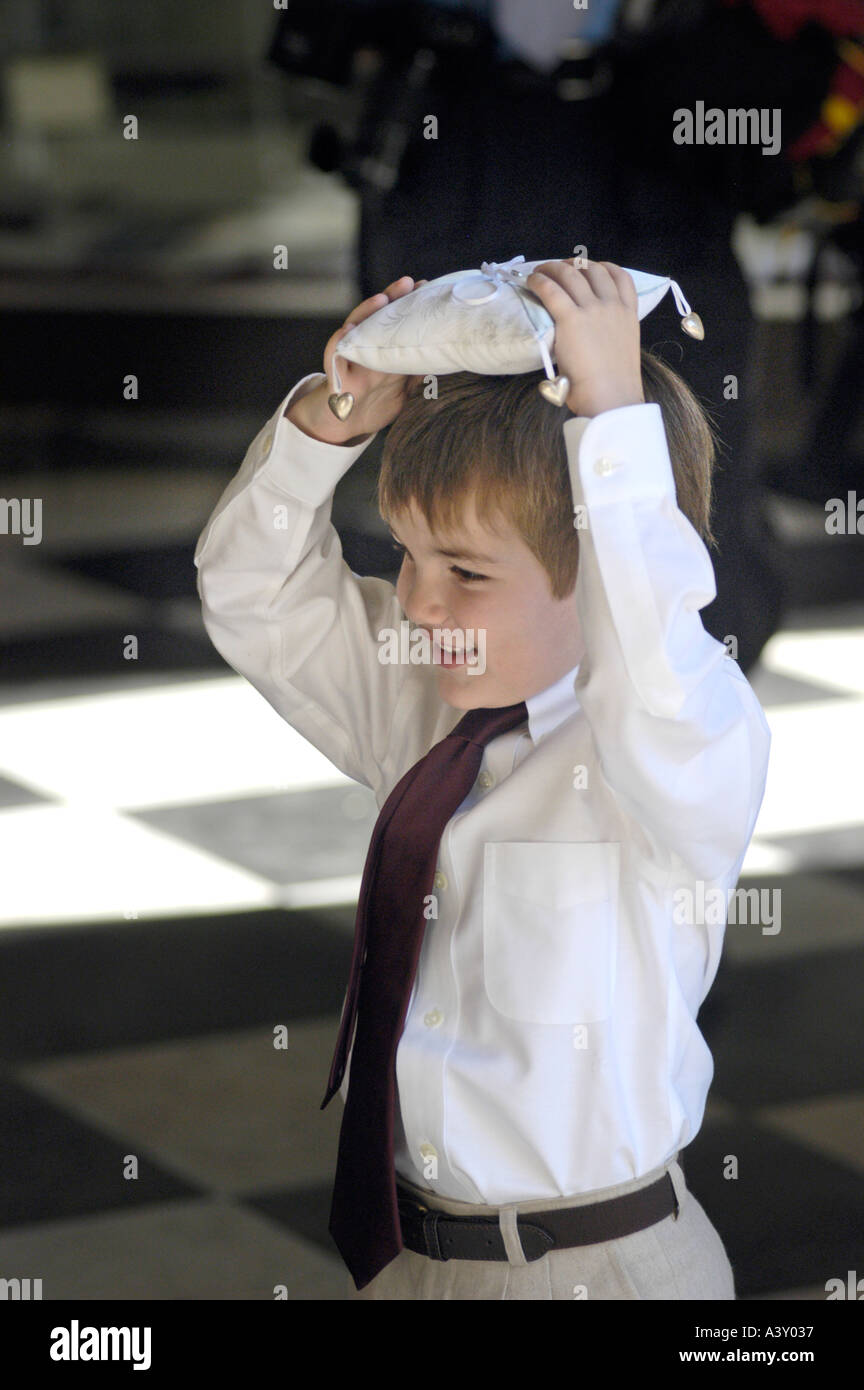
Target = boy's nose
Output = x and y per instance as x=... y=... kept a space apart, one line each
x=424 y=607
x=429 y=615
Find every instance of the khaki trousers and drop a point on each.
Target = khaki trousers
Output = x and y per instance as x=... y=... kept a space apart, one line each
x=680 y=1257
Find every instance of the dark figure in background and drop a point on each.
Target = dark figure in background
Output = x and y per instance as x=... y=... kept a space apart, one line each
x=541 y=162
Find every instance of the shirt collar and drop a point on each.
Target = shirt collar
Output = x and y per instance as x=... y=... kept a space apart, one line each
x=552 y=706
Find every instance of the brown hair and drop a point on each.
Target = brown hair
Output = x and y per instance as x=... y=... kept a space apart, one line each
x=496 y=437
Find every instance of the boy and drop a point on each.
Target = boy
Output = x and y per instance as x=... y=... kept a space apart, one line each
x=550 y=1068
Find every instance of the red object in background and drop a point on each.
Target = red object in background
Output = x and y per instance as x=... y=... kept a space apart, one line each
x=785 y=18
x=843 y=106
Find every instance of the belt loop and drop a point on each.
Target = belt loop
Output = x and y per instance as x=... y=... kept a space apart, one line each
x=430 y=1235
x=508 y=1218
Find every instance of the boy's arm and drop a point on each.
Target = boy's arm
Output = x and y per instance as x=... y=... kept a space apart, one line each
x=282 y=607
x=683 y=741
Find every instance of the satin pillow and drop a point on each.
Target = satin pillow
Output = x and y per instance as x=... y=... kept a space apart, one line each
x=482 y=321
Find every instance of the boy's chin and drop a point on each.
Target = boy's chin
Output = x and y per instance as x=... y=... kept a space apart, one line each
x=471 y=692
x=459 y=689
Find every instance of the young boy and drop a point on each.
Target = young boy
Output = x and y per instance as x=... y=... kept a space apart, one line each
x=550 y=1068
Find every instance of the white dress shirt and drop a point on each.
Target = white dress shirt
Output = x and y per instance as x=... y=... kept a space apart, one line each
x=551 y=1044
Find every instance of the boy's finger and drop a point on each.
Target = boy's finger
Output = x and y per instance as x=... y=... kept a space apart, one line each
x=556 y=279
x=599 y=279
x=362 y=311
x=403 y=285
x=624 y=283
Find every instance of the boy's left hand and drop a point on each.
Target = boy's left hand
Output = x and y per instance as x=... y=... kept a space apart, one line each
x=597 y=342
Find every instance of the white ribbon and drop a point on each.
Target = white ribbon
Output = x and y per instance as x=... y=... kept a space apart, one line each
x=681 y=303
x=505 y=273
x=502 y=272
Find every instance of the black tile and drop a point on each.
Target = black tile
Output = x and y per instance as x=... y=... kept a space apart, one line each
x=822 y=850
x=151 y=571
x=792 y=1218
x=787 y=1030
x=852 y=878
x=290 y=837
x=98 y=651
x=78 y=989
x=305 y=1211
x=825 y=572
x=55 y=1166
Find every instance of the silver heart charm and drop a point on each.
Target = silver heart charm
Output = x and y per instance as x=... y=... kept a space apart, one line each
x=692 y=324
x=555 y=391
x=341 y=405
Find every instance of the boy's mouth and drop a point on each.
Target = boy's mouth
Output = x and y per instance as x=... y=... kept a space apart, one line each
x=453 y=656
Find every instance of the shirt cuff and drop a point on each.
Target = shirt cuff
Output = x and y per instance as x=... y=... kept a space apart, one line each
x=619 y=456
x=304 y=468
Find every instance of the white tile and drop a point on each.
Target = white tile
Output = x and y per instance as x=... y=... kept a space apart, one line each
x=158 y=746
x=832 y=657
x=60 y=865
x=816 y=768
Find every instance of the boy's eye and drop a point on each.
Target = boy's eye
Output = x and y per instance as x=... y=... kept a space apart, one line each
x=467 y=575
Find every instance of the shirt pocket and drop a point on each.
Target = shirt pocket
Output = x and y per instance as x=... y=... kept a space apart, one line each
x=550 y=929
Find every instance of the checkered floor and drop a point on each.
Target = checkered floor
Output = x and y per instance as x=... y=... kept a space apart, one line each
x=179 y=877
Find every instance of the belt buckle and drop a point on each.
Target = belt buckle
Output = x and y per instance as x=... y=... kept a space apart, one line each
x=408 y=1198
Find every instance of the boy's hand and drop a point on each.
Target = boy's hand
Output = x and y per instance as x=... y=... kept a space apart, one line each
x=378 y=396
x=597 y=343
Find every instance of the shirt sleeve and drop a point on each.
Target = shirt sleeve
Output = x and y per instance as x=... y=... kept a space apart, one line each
x=682 y=738
x=284 y=609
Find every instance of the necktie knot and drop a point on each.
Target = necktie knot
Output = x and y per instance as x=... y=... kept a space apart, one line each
x=480 y=726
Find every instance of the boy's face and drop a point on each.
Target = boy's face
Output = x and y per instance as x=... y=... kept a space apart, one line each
x=529 y=638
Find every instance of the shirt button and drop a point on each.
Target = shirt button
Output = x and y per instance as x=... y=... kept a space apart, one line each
x=267 y=444
x=439 y=881
x=433 y=1018
x=428 y=1151
x=486 y=780
x=604 y=465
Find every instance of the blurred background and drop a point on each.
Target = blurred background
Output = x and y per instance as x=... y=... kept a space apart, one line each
x=189 y=207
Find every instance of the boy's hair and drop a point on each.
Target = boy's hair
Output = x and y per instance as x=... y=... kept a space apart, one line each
x=498 y=438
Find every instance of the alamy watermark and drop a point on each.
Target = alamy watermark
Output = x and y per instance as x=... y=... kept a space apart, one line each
x=736 y=126
x=22 y=516
x=713 y=907
x=454 y=648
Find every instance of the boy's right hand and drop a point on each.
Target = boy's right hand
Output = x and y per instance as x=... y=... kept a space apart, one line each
x=378 y=396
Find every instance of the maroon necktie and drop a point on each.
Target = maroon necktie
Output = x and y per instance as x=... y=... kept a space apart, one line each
x=388 y=935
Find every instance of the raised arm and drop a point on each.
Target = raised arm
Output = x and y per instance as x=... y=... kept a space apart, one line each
x=682 y=737
x=282 y=606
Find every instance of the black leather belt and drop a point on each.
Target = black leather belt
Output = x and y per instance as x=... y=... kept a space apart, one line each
x=445 y=1237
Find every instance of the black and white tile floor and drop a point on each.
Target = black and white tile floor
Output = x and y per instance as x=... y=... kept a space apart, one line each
x=179 y=873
